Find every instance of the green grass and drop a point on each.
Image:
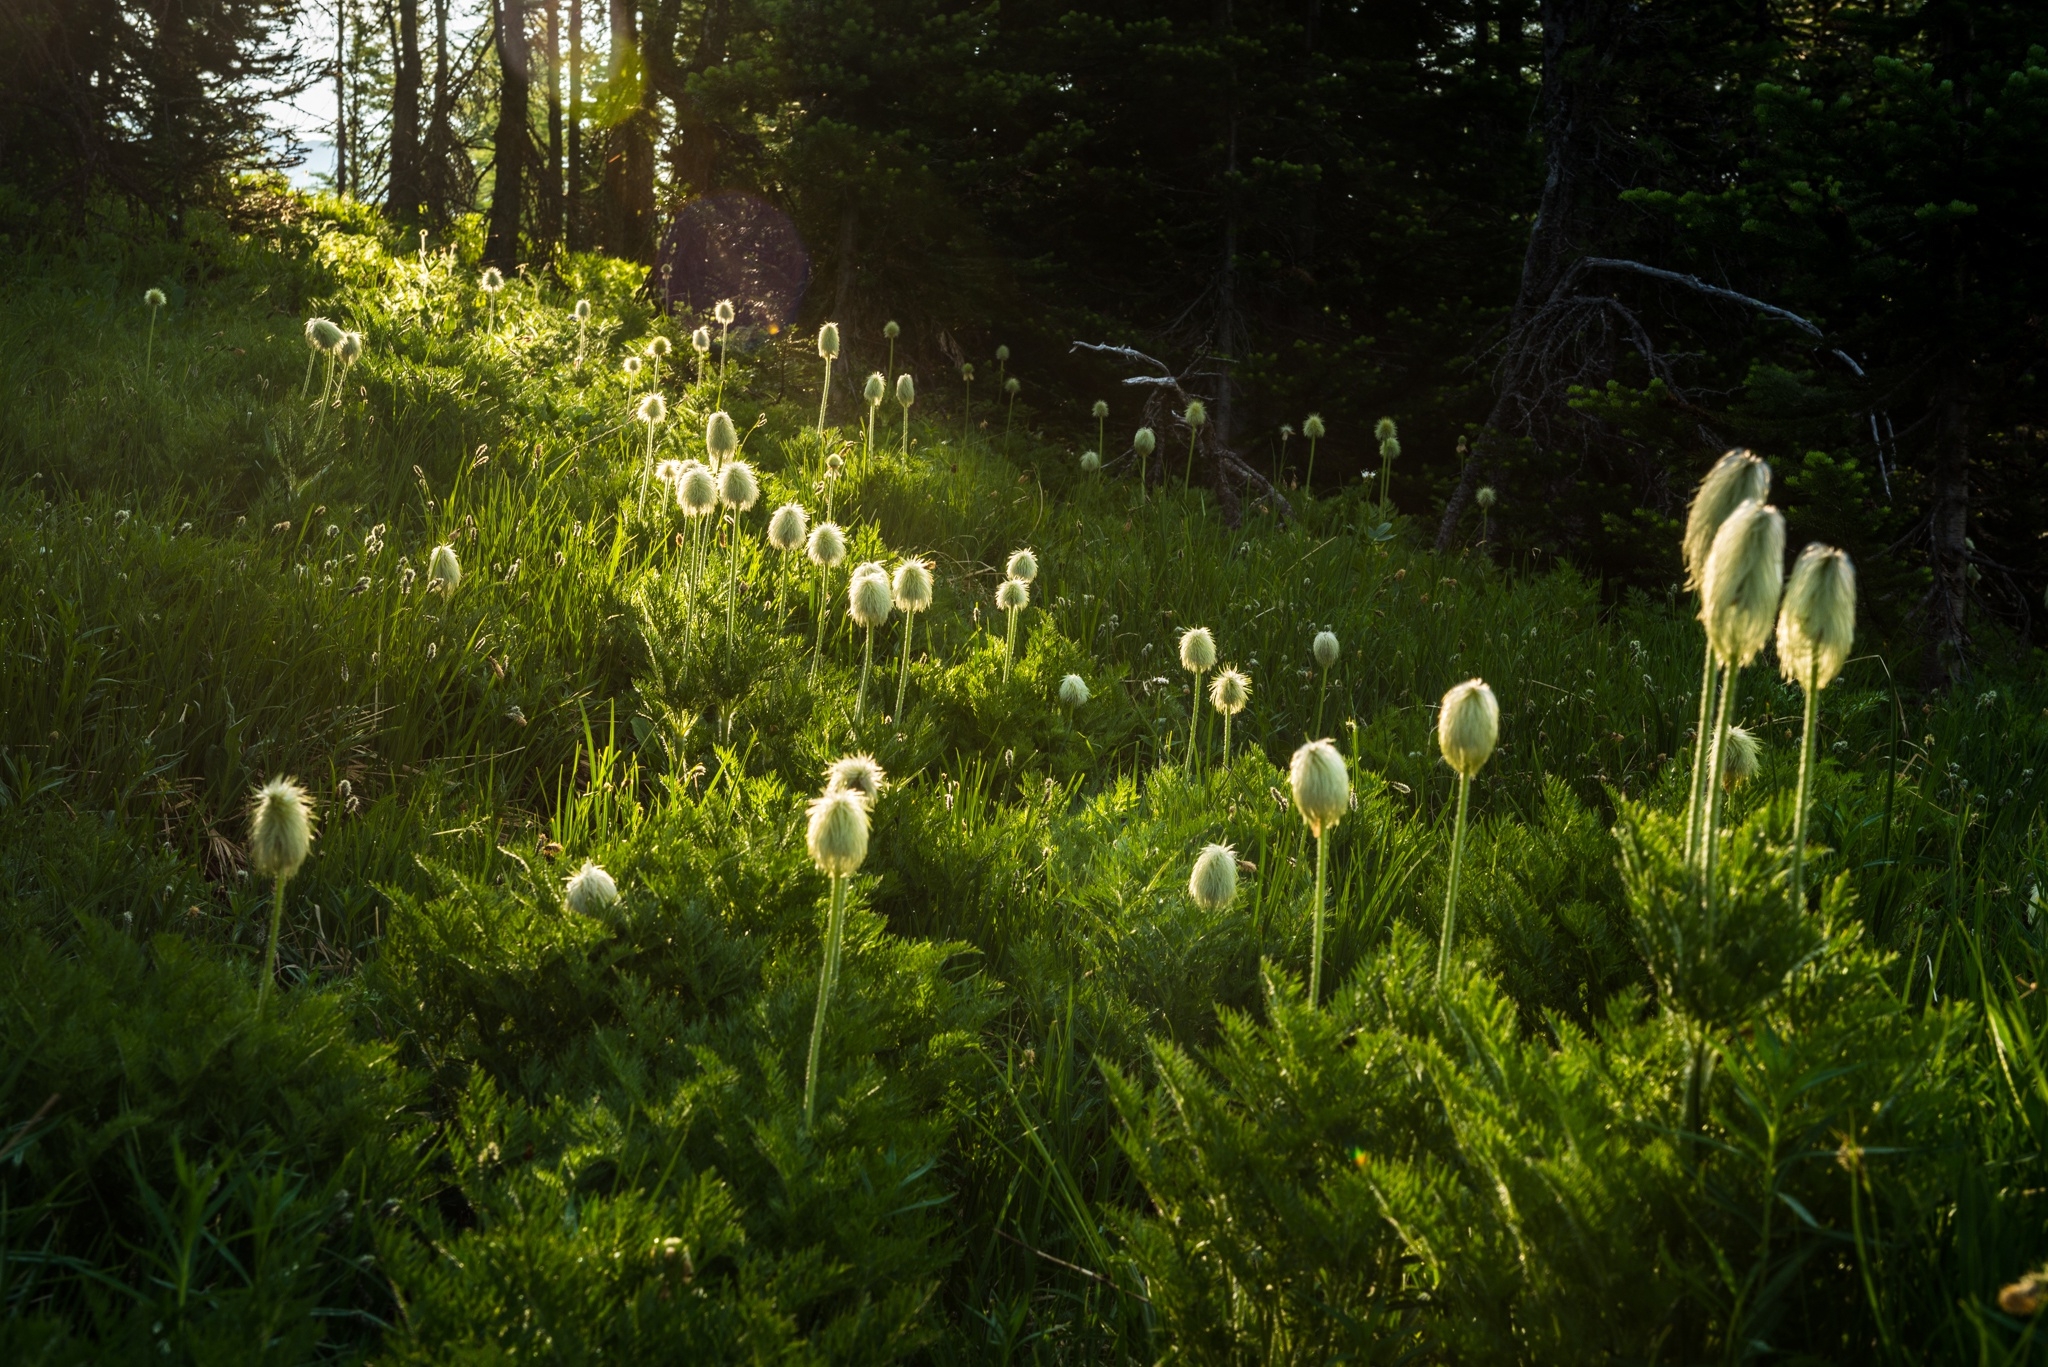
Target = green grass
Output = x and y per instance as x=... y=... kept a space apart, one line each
x=1064 y=1113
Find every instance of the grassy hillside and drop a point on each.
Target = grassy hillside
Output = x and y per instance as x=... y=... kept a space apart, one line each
x=1064 y=1113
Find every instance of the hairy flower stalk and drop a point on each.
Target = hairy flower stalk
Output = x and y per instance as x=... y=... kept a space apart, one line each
x=724 y=314
x=1467 y=729
x=1002 y=363
x=700 y=343
x=825 y=548
x=828 y=350
x=653 y=411
x=967 y=403
x=1745 y=573
x=1390 y=451
x=787 y=528
x=658 y=349
x=912 y=590
x=153 y=300
x=1197 y=416
x=1326 y=651
x=1228 y=695
x=325 y=338
x=906 y=395
x=1816 y=628
x=837 y=838
x=1010 y=388
x=1197 y=657
x=1322 y=794
x=491 y=282
x=876 y=390
x=1013 y=596
x=1311 y=428
x=833 y=468
x=280 y=835
x=868 y=600
x=697 y=494
x=1101 y=412
x=1485 y=499
x=1144 y=442
x=737 y=490
x=1736 y=478
x=891 y=330
x=582 y=316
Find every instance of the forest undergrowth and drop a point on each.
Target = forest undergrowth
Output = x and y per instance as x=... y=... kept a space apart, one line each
x=1065 y=1109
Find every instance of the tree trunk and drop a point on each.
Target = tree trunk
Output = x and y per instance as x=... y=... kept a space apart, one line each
x=628 y=188
x=407 y=190
x=508 y=187
x=341 y=97
x=1577 y=35
x=574 y=225
x=1948 y=596
x=436 y=184
x=551 y=200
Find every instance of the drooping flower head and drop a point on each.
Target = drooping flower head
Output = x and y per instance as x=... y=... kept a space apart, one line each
x=322 y=334
x=1817 y=624
x=1744 y=575
x=1468 y=727
x=1741 y=757
x=1090 y=462
x=1737 y=478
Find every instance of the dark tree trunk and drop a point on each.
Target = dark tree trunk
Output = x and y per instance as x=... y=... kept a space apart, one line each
x=341 y=164
x=551 y=200
x=508 y=188
x=574 y=226
x=407 y=185
x=1577 y=36
x=437 y=184
x=1948 y=541
x=628 y=186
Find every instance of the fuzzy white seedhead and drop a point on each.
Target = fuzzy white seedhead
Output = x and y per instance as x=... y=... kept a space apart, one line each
x=653 y=409
x=1101 y=409
x=590 y=891
x=153 y=298
x=1197 y=650
x=827 y=545
x=967 y=371
x=1143 y=441
x=583 y=316
x=1741 y=757
x=1737 y=478
x=349 y=349
x=1023 y=564
x=875 y=390
x=700 y=341
x=697 y=489
x=669 y=471
x=912 y=586
x=1391 y=448
x=1468 y=727
x=1090 y=462
x=834 y=463
x=1817 y=624
x=891 y=330
x=444 y=571
x=1384 y=430
x=1745 y=573
x=1073 y=690
x=1012 y=385
x=723 y=312
x=721 y=438
x=860 y=774
x=838 y=834
x=1003 y=354
x=1321 y=785
x=631 y=365
x=322 y=334
x=828 y=341
x=1229 y=691
x=1013 y=595
x=1312 y=427
x=1485 y=498
x=1213 y=884
x=787 y=528
x=1326 y=649
x=1286 y=431
x=906 y=389
x=658 y=347
x=493 y=280
x=280 y=828
x=737 y=487
x=1197 y=413
x=868 y=599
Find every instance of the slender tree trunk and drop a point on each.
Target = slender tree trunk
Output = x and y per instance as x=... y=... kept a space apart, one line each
x=406 y=192
x=1577 y=34
x=508 y=187
x=1947 y=602
x=574 y=226
x=341 y=166
x=552 y=201
x=436 y=184
x=1226 y=283
x=629 y=156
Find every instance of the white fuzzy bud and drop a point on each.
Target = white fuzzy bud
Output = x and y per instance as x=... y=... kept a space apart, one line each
x=912 y=586
x=827 y=545
x=590 y=891
x=1213 y=884
x=280 y=828
x=787 y=528
x=1197 y=650
x=1468 y=727
x=838 y=833
x=1321 y=785
x=1817 y=624
x=1326 y=649
x=1073 y=690
x=1745 y=573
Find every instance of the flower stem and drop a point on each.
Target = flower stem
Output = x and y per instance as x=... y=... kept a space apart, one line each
x=1226 y=740
x=1315 y=944
x=1009 y=644
x=270 y=953
x=1194 y=722
x=1711 y=820
x=906 y=429
x=732 y=588
x=903 y=674
x=819 y=604
x=824 y=396
x=860 y=702
x=1187 y=478
x=149 y=350
x=1308 y=480
x=828 y=974
x=1322 y=692
x=1805 y=781
x=1699 y=758
x=723 y=329
x=1443 y=951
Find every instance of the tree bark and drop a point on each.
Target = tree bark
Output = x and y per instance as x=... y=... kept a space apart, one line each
x=574 y=210
x=508 y=187
x=407 y=189
x=341 y=97
x=551 y=200
x=1577 y=36
x=628 y=186
x=1948 y=541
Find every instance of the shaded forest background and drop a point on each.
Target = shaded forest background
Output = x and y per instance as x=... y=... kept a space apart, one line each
x=1577 y=247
